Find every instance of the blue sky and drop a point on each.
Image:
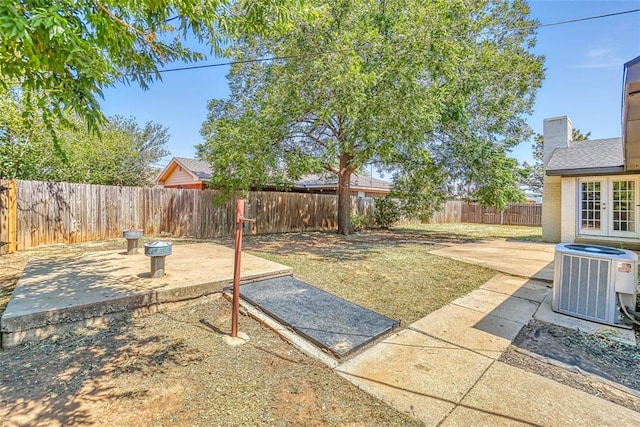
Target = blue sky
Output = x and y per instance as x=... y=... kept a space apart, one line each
x=584 y=64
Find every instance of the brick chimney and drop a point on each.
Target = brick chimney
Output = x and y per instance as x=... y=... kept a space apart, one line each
x=557 y=133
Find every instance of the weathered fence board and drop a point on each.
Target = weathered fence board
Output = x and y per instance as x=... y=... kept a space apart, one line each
x=48 y=213
x=69 y=213
x=4 y=217
x=514 y=214
x=8 y=216
x=451 y=212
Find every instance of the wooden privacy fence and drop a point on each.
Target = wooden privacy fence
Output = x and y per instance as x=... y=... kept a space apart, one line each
x=47 y=212
x=451 y=212
x=514 y=214
x=36 y=213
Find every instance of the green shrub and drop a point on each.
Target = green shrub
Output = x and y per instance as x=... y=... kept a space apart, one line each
x=359 y=222
x=387 y=212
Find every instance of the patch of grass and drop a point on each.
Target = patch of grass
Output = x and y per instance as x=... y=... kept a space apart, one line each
x=466 y=231
x=389 y=272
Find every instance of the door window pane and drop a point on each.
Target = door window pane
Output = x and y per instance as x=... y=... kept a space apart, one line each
x=590 y=197
x=624 y=206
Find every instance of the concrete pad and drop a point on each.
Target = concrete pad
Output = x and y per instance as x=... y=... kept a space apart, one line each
x=530 y=289
x=498 y=305
x=546 y=314
x=418 y=375
x=516 y=395
x=483 y=333
x=68 y=290
x=526 y=259
x=332 y=323
x=463 y=416
x=241 y=339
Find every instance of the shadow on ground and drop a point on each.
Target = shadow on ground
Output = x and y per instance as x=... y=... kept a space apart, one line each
x=44 y=383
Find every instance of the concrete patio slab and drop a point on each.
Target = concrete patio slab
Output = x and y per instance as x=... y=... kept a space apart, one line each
x=54 y=293
x=469 y=329
x=525 y=259
x=417 y=374
x=521 y=287
x=498 y=305
x=546 y=314
x=516 y=395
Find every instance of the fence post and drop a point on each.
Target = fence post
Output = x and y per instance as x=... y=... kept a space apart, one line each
x=12 y=217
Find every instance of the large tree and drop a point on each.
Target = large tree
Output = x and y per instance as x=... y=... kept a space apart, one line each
x=416 y=85
x=122 y=153
x=70 y=50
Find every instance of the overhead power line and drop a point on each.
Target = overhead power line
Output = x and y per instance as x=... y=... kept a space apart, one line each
x=589 y=18
x=276 y=58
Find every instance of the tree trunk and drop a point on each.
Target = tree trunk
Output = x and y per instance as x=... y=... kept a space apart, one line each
x=344 y=196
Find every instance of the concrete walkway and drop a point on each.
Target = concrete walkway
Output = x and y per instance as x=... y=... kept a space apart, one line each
x=444 y=368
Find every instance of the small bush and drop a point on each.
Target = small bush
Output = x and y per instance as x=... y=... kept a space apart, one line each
x=359 y=222
x=387 y=212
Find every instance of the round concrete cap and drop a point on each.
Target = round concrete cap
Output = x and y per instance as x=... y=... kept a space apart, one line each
x=157 y=249
x=132 y=234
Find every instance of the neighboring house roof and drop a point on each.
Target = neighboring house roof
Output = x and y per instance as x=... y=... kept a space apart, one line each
x=358 y=182
x=598 y=156
x=197 y=170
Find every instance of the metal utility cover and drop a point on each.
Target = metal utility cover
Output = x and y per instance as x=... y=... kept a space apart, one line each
x=328 y=321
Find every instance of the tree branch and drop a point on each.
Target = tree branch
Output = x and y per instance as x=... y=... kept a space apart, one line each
x=148 y=38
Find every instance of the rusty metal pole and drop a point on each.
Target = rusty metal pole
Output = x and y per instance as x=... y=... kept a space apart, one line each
x=240 y=220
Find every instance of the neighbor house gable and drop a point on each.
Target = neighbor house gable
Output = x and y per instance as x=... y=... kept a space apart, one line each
x=183 y=172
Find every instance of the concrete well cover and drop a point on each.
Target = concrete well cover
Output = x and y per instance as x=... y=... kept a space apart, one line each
x=330 y=322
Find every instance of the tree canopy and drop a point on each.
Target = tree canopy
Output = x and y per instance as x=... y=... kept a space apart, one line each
x=436 y=90
x=70 y=50
x=122 y=153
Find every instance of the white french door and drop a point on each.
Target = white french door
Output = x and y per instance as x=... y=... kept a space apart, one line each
x=608 y=206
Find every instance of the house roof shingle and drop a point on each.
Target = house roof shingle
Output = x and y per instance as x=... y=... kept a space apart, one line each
x=199 y=168
x=588 y=157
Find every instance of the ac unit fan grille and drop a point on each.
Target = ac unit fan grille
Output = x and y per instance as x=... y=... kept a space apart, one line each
x=584 y=287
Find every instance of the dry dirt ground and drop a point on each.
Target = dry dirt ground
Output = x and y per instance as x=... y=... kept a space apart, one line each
x=173 y=368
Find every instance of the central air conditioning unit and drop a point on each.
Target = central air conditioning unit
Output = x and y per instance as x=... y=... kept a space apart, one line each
x=588 y=279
